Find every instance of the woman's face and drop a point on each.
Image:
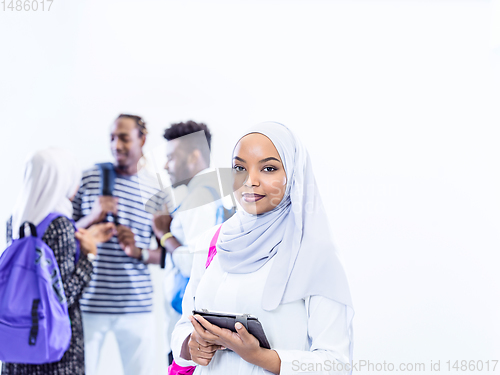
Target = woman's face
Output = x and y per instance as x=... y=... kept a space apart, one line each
x=259 y=176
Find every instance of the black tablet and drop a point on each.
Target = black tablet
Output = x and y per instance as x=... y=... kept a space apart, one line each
x=223 y=320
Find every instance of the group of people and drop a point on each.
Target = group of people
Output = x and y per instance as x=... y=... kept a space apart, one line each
x=273 y=258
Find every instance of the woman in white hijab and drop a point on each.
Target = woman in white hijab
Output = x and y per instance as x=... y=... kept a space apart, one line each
x=275 y=260
x=51 y=179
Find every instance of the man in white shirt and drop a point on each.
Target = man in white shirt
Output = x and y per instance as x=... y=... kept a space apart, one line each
x=199 y=208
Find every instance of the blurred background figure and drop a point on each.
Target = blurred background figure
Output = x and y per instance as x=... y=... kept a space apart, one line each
x=51 y=180
x=119 y=297
x=188 y=161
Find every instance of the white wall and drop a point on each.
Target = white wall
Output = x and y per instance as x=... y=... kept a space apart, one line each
x=397 y=102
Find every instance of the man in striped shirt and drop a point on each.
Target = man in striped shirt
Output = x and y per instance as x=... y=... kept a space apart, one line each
x=119 y=297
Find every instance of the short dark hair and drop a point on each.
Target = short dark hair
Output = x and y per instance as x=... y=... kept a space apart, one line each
x=139 y=122
x=181 y=129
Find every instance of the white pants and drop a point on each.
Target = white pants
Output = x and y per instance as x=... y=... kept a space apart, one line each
x=134 y=334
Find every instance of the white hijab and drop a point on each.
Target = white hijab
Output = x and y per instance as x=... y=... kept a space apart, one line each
x=51 y=177
x=296 y=232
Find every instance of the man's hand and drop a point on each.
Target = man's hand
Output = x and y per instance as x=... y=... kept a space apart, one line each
x=161 y=222
x=101 y=207
x=126 y=239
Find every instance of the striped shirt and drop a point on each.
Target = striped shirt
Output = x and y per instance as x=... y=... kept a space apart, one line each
x=120 y=284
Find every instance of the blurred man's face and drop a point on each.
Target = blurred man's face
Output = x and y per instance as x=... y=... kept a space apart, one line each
x=179 y=166
x=126 y=143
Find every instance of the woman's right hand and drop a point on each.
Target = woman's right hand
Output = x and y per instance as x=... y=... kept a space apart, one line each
x=201 y=351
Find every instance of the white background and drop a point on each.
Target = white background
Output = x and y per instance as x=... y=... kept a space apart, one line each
x=397 y=102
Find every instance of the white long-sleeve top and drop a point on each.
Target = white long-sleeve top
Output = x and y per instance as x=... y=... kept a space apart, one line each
x=308 y=334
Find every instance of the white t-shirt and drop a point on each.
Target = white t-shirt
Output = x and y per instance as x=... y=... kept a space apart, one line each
x=308 y=333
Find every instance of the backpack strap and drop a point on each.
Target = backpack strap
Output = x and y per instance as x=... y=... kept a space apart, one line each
x=34 y=322
x=42 y=228
x=213 y=248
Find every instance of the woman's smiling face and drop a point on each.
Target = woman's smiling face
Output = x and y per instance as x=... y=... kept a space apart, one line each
x=259 y=175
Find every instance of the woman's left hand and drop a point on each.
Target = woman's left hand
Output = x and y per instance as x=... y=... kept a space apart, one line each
x=241 y=342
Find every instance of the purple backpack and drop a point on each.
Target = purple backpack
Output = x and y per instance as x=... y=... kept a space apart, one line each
x=34 y=321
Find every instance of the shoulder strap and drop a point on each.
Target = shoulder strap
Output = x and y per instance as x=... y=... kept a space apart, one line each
x=43 y=226
x=213 y=248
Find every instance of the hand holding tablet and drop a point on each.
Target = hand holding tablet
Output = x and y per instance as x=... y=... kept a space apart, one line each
x=228 y=321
